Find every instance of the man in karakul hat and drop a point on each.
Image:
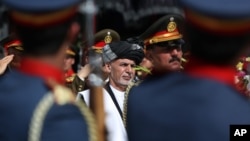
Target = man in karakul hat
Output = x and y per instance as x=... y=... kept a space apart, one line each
x=119 y=50
x=201 y=103
x=35 y=104
x=101 y=38
x=120 y=58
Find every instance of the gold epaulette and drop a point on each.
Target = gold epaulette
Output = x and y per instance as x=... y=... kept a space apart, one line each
x=70 y=78
x=63 y=95
x=60 y=95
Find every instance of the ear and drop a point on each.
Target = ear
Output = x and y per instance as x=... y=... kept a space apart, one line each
x=108 y=67
x=149 y=55
x=73 y=61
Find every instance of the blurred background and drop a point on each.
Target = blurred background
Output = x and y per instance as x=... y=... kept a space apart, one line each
x=128 y=17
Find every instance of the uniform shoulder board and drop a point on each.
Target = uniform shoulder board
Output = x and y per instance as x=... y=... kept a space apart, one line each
x=60 y=95
x=70 y=78
x=63 y=95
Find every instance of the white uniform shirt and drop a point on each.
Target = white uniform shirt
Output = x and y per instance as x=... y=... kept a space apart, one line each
x=114 y=124
x=119 y=96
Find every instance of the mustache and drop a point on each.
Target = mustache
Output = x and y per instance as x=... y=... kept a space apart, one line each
x=174 y=58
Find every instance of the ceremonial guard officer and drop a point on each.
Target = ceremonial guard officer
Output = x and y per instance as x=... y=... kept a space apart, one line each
x=202 y=102
x=69 y=61
x=35 y=104
x=12 y=48
x=163 y=42
x=101 y=38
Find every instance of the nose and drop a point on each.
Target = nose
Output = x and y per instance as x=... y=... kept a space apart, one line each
x=65 y=60
x=129 y=68
x=174 y=51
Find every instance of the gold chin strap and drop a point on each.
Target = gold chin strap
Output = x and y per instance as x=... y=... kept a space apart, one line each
x=61 y=96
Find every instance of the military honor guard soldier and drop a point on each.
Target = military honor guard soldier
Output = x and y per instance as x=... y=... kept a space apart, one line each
x=202 y=102
x=13 y=50
x=101 y=38
x=69 y=61
x=35 y=104
x=163 y=42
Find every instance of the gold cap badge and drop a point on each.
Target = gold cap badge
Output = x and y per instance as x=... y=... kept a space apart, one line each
x=171 y=25
x=108 y=38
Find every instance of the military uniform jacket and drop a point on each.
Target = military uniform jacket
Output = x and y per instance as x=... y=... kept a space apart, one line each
x=20 y=93
x=196 y=106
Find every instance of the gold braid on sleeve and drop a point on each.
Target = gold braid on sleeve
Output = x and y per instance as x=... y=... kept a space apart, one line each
x=125 y=103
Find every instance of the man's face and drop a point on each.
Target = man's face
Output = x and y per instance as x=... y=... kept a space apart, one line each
x=68 y=62
x=121 y=72
x=165 y=58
